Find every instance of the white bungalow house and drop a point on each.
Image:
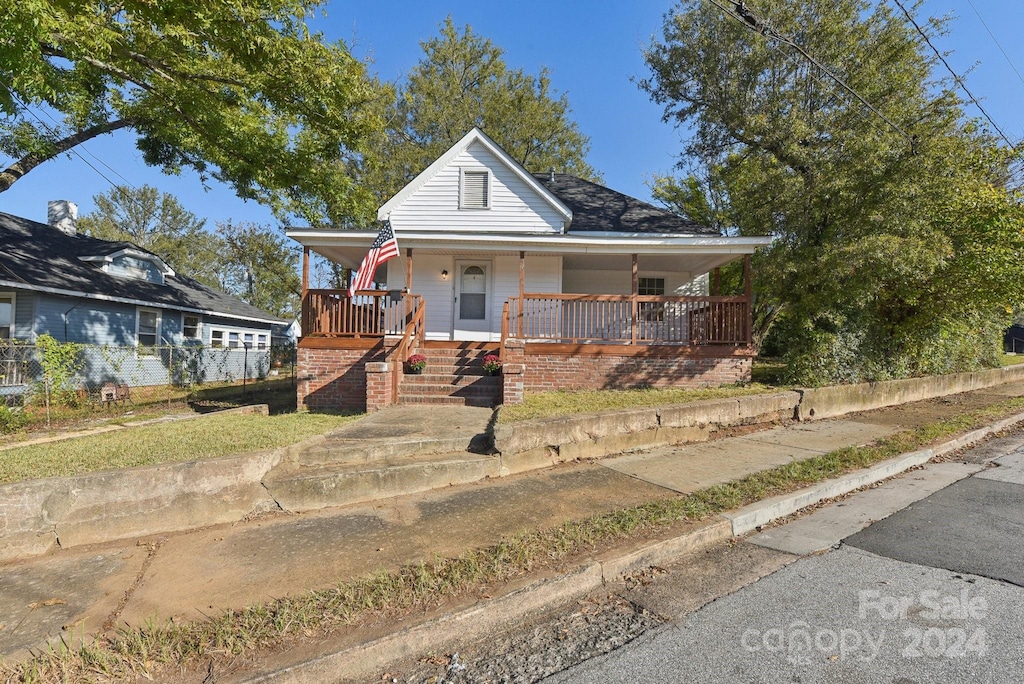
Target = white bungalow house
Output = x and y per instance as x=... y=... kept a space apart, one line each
x=570 y=283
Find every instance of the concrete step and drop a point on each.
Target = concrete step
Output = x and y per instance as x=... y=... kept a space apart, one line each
x=308 y=489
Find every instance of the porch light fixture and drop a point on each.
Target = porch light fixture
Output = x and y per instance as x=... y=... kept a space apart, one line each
x=444 y=274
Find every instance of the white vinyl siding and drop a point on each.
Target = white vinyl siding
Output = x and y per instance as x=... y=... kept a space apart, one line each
x=543 y=274
x=513 y=206
x=587 y=281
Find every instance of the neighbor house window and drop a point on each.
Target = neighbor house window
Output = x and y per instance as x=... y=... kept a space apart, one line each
x=651 y=286
x=476 y=190
x=147 y=331
x=237 y=339
x=190 y=327
x=6 y=316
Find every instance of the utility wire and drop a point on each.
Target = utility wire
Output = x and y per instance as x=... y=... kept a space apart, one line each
x=74 y=150
x=745 y=15
x=994 y=40
x=956 y=77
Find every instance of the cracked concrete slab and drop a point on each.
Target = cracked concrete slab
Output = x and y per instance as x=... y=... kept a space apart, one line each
x=67 y=596
x=1008 y=468
x=826 y=527
x=235 y=566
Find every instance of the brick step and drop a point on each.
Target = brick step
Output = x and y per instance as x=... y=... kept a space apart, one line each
x=449 y=371
x=450 y=379
x=444 y=391
x=435 y=400
x=454 y=362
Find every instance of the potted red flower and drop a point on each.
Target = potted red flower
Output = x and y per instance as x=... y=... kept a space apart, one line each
x=492 y=364
x=415 y=364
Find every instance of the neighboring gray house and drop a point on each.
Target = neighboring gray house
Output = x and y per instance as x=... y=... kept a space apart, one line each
x=124 y=300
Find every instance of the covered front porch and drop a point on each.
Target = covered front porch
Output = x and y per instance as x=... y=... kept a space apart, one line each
x=544 y=340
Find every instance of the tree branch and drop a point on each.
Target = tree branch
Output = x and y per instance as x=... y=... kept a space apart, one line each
x=18 y=169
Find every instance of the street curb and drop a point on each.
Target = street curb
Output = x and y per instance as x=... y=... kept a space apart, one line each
x=367 y=660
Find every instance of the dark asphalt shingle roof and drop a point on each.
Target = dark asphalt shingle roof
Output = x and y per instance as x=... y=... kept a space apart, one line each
x=597 y=208
x=41 y=256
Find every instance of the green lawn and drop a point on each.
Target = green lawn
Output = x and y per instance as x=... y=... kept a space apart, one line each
x=566 y=403
x=172 y=442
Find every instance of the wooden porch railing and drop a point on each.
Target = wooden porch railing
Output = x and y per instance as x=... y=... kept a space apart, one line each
x=624 y=319
x=371 y=313
x=412 y=337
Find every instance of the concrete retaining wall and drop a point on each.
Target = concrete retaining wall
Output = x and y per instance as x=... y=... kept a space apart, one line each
x=827 y=402
x=596 y=435
x=38 y=515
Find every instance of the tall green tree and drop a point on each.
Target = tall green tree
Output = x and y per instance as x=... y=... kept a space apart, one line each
x=261 y=267
x=462 y=82
x=823 y=125
x=238 y=91
x=156 y=221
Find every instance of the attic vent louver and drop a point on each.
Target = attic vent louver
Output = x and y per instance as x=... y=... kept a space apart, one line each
x=475 y=190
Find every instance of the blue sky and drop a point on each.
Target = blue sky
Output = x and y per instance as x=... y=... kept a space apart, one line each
x=592 y=51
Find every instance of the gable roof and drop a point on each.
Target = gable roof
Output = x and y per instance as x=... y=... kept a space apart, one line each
x=36 y=256
x=474 y=136
x=596 y=208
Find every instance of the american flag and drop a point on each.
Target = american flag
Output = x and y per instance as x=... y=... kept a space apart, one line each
x=382 y=249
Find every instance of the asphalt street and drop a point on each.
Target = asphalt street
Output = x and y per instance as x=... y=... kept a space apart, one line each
x=925 y=591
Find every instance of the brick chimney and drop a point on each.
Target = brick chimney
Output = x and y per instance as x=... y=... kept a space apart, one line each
x=62 y=215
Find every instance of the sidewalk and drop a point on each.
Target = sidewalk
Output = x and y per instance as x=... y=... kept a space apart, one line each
x=189 y=575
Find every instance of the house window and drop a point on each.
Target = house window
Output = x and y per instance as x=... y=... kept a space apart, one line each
x=476 y=190
x=190 y=327
x=238 y=339
x=147 y=332
x=6 y=316
x=473 y=294
x=651 y=286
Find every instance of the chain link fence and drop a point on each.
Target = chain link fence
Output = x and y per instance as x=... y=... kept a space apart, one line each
x=107 y=375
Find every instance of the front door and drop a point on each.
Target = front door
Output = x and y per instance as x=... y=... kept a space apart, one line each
x=473 y=310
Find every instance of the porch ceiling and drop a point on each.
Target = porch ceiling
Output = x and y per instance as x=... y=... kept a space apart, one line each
x=696 y=254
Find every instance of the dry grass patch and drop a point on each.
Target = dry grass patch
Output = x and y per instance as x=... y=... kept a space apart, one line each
x=171 y=442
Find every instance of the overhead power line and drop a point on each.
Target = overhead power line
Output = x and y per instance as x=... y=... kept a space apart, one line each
x=994 y=40
x=741 y=12
x=76 y=152
x=956 y=77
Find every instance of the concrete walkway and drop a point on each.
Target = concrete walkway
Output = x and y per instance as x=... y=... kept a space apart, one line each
x=185 y=576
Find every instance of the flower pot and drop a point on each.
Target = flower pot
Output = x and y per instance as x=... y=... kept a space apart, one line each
x=492 y=372
x=414 y=370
